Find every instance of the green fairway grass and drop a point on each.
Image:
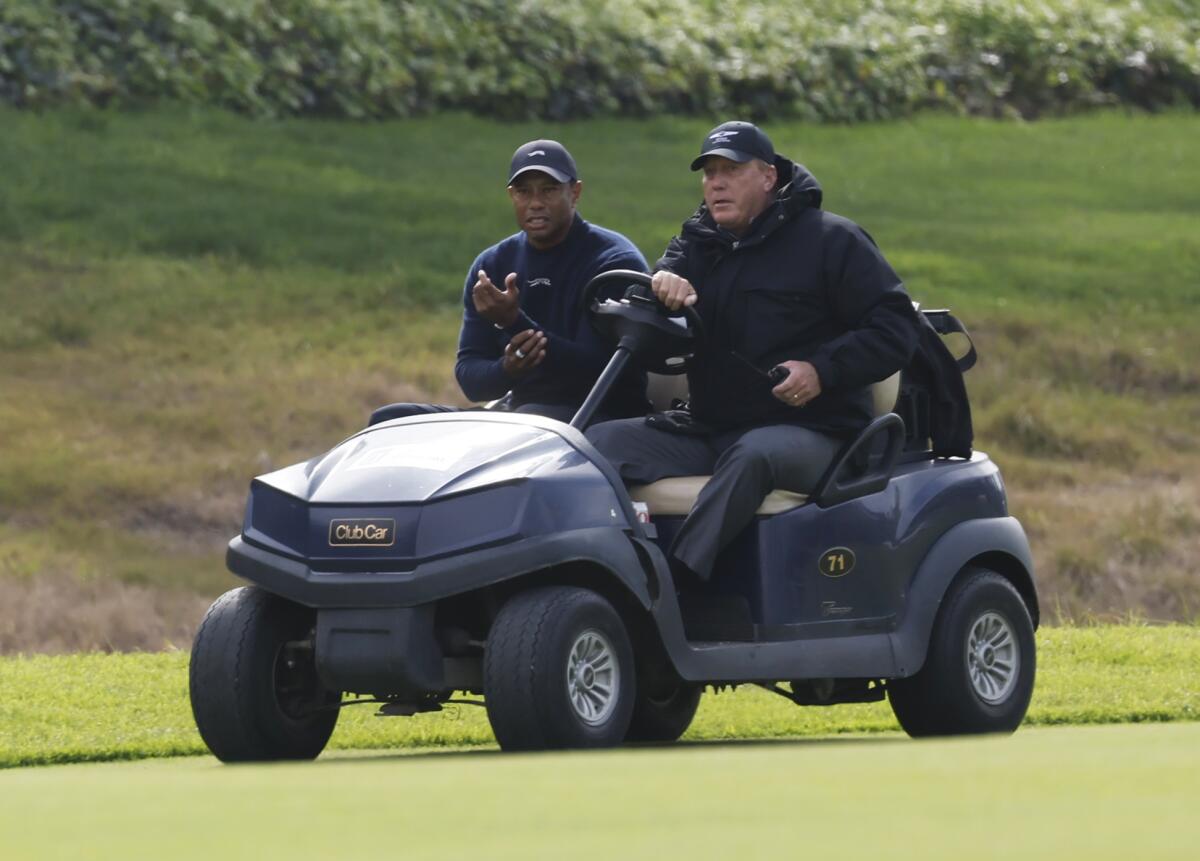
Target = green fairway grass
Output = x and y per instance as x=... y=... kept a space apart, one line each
x=104 y=707
x=1093 y=794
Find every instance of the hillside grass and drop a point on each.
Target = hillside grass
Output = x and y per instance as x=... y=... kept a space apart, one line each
x=189 y=299
x=1062 y=794
x=99 y=707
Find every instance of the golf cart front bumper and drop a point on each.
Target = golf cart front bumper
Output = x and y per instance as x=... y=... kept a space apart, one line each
x=431 y=580
x=375 y=631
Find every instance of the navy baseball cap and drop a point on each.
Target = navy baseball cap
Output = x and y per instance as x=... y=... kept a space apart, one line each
x=737 y=141
x=547 y=156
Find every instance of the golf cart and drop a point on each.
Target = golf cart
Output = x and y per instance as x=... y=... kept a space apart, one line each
x=499 y=555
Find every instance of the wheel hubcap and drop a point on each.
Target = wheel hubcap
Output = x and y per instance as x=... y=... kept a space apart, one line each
x=593 y=677
x=992 y=658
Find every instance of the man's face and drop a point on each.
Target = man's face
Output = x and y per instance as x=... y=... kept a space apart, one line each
x=544 y=207
x=736 y=192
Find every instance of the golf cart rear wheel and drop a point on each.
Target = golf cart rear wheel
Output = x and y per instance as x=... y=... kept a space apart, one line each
x=558 y=671
x=663 y=710
x=978 y=676
x=254 y=688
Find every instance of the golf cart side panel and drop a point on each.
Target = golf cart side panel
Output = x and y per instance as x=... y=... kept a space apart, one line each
x=429 y=581
x=848 y=617
x=815 y=571
x=855 y=656
x=998 y=543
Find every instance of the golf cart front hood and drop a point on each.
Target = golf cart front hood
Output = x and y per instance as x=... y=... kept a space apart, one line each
x=419 y=459
x=423 y=487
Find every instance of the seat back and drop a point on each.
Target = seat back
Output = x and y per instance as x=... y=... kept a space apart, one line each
x=661 y=389
x=884 y=395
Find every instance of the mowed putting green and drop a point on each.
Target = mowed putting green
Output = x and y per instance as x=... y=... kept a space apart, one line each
x=1116 y=792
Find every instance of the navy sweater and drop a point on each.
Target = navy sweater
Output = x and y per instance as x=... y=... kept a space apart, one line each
x=551 y=283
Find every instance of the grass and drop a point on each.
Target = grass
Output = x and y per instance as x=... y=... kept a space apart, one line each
x=1094 y=793
x=191 y=298
x=132 y=706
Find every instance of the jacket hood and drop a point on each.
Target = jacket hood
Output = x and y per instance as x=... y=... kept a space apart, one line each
x=796 y=184
x=795 y=190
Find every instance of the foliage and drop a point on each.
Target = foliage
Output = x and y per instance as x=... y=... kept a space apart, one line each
x=844 y=61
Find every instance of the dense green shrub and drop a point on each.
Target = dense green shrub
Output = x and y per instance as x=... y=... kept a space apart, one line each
x=841 y=60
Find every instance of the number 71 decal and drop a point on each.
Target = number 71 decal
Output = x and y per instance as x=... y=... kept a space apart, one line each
x=836 y=562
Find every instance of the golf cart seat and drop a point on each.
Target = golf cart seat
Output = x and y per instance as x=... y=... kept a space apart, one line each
x=677 y=495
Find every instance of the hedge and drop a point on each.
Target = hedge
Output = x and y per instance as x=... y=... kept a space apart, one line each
x=841 y=60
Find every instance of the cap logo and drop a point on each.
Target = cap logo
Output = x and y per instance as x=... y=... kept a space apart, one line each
x=722 y=137
x=537 y=152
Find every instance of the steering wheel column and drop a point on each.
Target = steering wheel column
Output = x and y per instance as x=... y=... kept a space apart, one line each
x=644 y=330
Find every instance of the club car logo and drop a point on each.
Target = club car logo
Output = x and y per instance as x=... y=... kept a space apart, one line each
x=836 y=562
x=377 y=532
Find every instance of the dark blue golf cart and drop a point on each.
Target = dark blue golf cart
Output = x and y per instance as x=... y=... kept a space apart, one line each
x=431 y=558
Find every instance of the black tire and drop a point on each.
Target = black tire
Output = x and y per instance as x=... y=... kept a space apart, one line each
x=946 y=697
x=665 y=711
x=251 y=700
x=531 y=705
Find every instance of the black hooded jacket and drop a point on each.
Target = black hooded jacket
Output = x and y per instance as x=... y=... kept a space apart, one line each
x=800 y=284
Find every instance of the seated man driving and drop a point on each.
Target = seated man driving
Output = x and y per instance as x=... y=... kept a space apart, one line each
x=776 y=281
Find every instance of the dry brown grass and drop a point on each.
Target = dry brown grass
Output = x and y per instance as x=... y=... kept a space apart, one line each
x=1104 y=552
x=57 y=613
x=1116 y=550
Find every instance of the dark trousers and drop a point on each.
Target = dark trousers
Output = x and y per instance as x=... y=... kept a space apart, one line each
x=745 y=466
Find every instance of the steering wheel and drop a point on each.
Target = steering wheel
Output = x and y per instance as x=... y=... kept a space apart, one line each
x=643 y=324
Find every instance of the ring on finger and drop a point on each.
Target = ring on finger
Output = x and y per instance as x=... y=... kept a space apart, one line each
x=519 y=353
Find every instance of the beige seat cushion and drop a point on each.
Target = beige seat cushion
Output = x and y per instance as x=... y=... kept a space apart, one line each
x=677 y=495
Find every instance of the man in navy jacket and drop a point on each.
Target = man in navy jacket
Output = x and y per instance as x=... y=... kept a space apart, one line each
x=777 y=281
x=523 y=328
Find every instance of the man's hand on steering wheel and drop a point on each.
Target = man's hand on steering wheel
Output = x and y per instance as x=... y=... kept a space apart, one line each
x=801 y=386
x=672 y=291
x=494 y=305
x=524 y=353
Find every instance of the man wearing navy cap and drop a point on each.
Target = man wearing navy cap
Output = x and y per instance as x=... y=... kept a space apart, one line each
x=777 y=282
x=523 y=330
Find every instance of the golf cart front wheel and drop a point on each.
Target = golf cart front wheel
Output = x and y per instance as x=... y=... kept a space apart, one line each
x=253 y=684
x=558 y=671
x=979 y=672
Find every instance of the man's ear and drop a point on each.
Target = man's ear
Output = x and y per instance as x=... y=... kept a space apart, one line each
x=576 y=191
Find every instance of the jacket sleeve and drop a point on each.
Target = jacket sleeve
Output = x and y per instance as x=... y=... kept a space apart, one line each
x=869 y=299
x=674 y=259
x=478 y=370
